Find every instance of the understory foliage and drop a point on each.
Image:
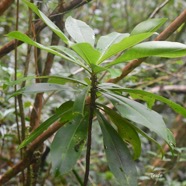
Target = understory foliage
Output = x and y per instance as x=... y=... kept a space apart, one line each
x=113 y=107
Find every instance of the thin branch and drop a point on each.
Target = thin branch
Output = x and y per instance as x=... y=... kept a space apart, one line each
x=159 y=8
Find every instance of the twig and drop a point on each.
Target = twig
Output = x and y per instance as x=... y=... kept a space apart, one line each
x=158 y=8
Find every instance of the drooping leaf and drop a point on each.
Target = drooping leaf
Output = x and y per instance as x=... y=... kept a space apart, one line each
x=62 y=111
x=125 y=130
x=41 y=87
x=80 y=31
x=79 y=102
x=86 y=52
x=68 y=143
x=23 y=37
x=51 y=79
x=140 y=114
x=176 y=107
x=47 y=21
x=150 y=25
x=124 y=44
x=165 y=49
x=118 y=156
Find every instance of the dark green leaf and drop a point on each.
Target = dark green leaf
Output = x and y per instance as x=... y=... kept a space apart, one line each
x=62 y=111
x=118 y=156
x=140 y=114
x=79 y=102
x=68 y=143
x=176 y=107
x=125 y=130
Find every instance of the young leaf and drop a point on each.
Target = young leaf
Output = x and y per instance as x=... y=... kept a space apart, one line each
x=140 y=114
x=165 y=49
x=47 y=21
x=150 y=25
x=79 y=102
x=86 y=52
x=176 y=107
x=79 y=31
x=106 y=41
x=68 y=143
x=124 y=44
x=125 y=130
x=118 y=156
x=62 y=111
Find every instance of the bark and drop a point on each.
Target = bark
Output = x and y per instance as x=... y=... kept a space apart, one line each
x=4 y=5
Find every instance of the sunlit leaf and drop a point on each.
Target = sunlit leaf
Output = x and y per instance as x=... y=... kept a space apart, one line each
x=118 y=156
x=165 y=49
x=150 y=25
x=86 y=52
x=68 y=143
x=80 y=31
x=123 y=45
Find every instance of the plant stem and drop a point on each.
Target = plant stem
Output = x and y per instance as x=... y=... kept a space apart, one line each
x=91 y=115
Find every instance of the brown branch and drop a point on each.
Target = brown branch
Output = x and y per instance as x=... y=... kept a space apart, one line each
x=173 y=88
x=4 y=5
x=163 y=36
x=39 y=25
x=29 y=156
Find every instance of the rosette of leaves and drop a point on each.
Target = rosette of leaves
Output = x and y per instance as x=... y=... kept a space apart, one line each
x=120 y=126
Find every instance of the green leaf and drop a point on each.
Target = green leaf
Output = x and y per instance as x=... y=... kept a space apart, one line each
x=86 y=52
x=176 y=107
x=70 y=53
x=47 y=21
x=149 y=100
x=125 y=130
x=24 y=38
x=118 y=156
x=51 y=79
x=123 y=45
x=79 y=102
x=106 y=41
x=140 y=114
x=165 y=49
x=68 y=143
x=80 y=31
x=150 y=25
x=62 y=111
x=41 y=87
